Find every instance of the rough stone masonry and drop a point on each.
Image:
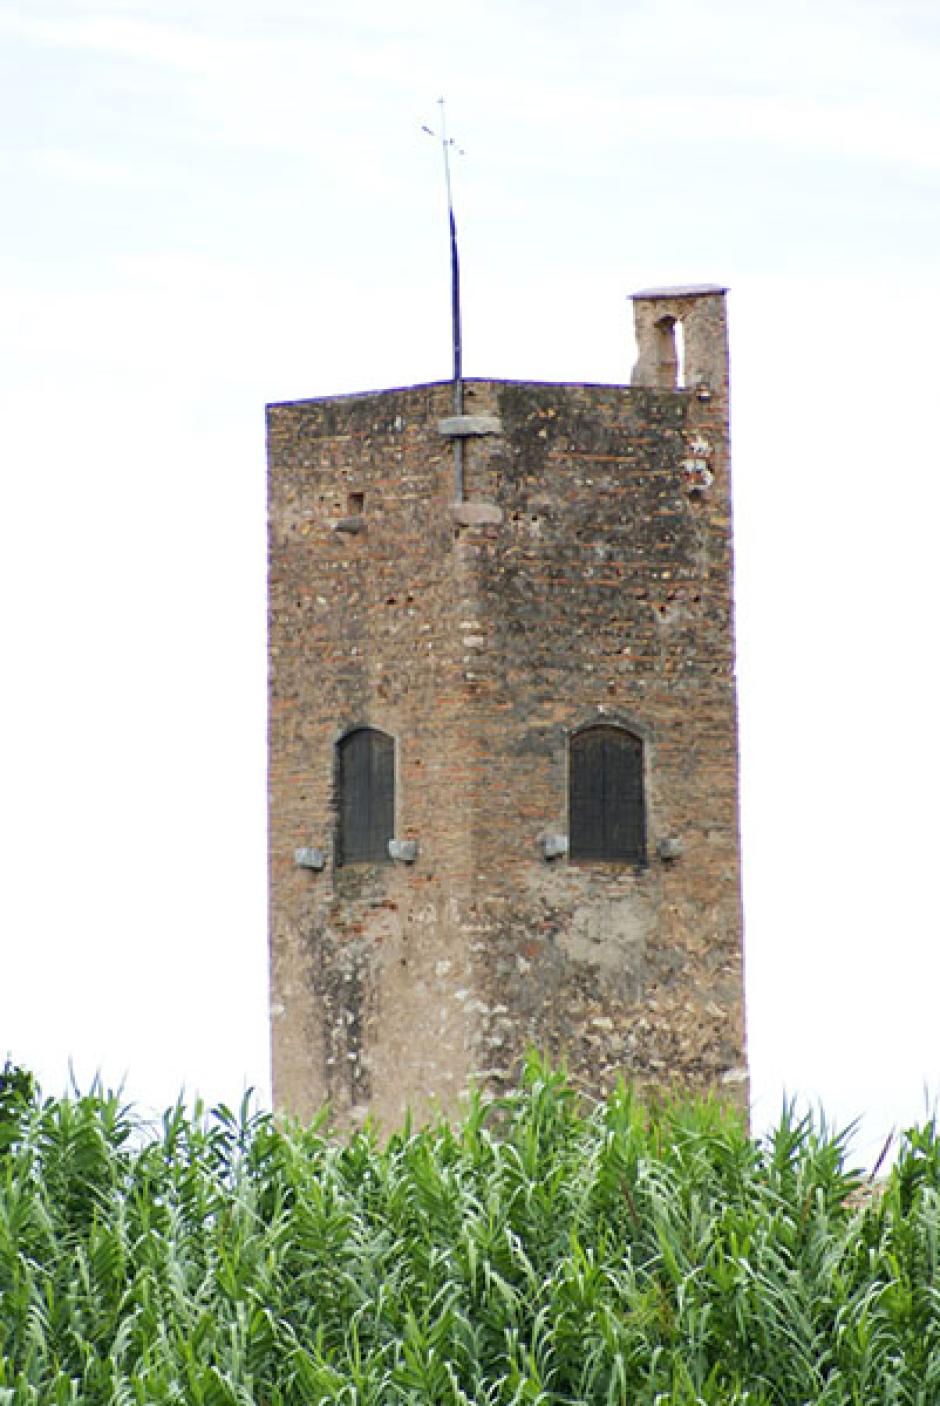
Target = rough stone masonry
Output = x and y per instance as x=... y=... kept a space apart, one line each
x=439 y=669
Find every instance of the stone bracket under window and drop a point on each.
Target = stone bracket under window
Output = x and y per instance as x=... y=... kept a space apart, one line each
x=553 y=846
x=405 y=851
x=670 y=848
x=309 y=858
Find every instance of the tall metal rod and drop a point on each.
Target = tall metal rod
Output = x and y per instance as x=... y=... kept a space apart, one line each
x=454 y=270
x=446 y=144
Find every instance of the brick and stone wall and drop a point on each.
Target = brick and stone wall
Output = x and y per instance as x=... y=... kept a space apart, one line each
x=585 y=576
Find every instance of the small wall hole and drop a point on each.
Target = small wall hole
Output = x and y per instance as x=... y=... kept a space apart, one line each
x=355 y=503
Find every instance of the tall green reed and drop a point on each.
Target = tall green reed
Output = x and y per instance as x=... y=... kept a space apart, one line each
x=546 y=1249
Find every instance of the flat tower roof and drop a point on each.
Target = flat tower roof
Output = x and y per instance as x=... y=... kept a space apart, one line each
x=681 y=290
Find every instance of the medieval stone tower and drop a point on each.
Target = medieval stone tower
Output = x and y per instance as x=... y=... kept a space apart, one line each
x=503 y=748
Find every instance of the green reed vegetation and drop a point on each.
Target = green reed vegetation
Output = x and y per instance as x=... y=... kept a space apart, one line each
x=546 y=1250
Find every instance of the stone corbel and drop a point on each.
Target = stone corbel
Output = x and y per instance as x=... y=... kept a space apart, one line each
x=308 y=858
x=405 y=851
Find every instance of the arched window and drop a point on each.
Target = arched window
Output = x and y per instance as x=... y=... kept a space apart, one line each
x=670 y=353
x=366 y=776
x=607 y=814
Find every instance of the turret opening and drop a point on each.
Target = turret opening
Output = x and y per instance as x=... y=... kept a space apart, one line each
x=670 y=353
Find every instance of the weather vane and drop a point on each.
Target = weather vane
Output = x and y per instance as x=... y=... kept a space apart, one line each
x=446 y=144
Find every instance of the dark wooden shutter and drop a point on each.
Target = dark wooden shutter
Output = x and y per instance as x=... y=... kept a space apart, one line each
x=606 y=810
x=366 y=796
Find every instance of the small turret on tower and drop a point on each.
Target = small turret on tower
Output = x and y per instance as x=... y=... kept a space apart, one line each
x=682 y=338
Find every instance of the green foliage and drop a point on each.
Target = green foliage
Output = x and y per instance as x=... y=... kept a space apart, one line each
x=16 y=1094
x=545 y=1251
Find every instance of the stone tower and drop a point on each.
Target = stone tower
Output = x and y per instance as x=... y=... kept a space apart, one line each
x=503 y=744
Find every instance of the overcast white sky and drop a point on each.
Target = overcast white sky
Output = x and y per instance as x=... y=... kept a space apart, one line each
x=209 y=204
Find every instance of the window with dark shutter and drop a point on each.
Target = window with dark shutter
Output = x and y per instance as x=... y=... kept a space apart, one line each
x=605 y=795
x=366 y=796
